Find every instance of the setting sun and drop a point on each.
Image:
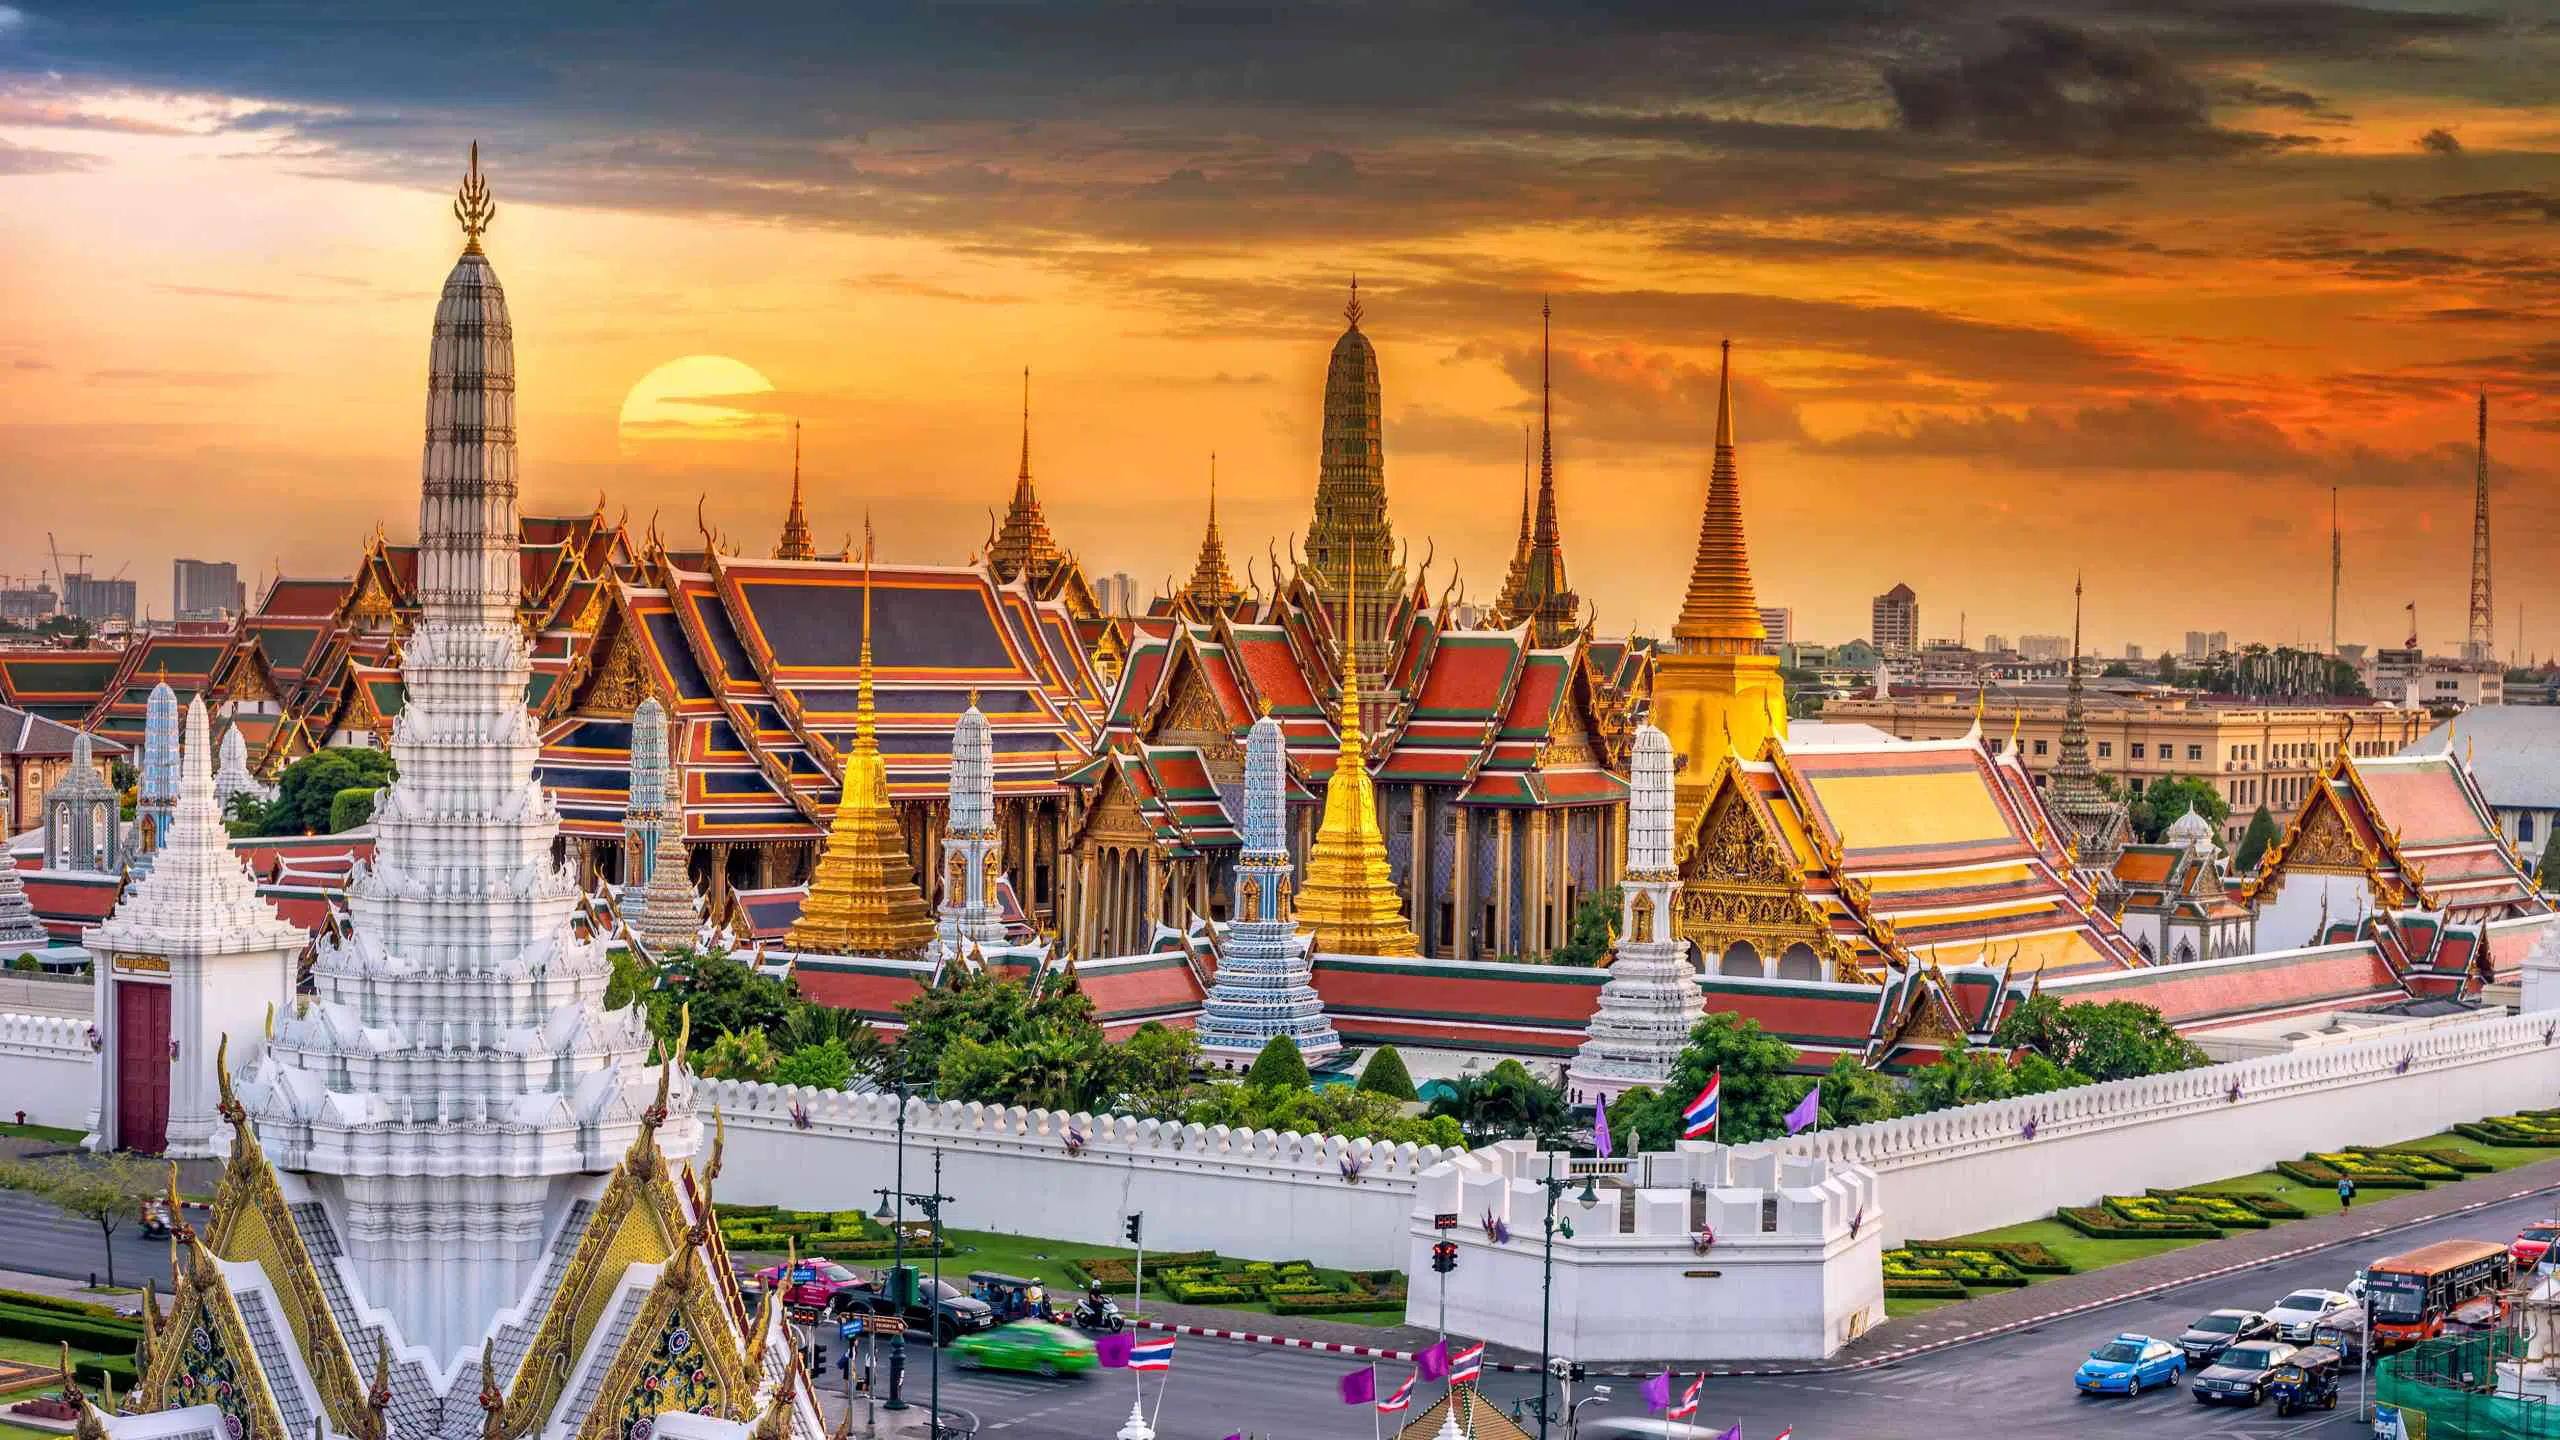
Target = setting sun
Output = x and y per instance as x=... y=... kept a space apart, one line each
x=692 y=398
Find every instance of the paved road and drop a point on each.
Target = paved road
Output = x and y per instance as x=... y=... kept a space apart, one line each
x=2016 y=1385
x=38 y=1238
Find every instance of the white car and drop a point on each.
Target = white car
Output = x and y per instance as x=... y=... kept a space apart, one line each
x=2301 y=1312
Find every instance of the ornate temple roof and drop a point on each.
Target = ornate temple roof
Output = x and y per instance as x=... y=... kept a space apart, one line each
x=1720 y=610
x=2420 y=831
x=60 y=685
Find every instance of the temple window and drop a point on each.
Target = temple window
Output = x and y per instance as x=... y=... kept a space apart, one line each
x=2137 y=749
x=2106 y=749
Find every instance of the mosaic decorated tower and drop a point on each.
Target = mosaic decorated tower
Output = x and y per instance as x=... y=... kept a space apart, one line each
x=862 y=897
x=1264 y=984
x=20 y=932
x=647 y=808
x=1651 y=1001
x=1714 y=691
x=156 y=792
x=192 y=953
x=1351 y=547
x=670 y=914
x=970 y=916
x=457 y=1202
x=83 y=817
x=1350 y=899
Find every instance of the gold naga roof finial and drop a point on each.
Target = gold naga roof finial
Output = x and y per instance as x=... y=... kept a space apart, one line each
x=472 y=206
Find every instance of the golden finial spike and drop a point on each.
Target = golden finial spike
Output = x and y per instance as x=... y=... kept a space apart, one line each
x=1352 y=312
x=472 y=206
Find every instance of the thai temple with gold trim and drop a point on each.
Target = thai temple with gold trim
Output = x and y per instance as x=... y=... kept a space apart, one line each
x=458 y=1202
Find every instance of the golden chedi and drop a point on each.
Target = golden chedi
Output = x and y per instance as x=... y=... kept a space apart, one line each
x=1350 y=900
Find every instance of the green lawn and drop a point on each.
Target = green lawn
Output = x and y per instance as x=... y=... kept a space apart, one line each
x=1046 y=1262
x=2085 y=1253
x=14 y=1431
x=54 y=1133
x=46 y=1353
x=1896 y=1309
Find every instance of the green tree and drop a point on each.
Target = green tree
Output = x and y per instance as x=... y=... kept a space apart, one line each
x=723 y=994
x=311 y=784
x=738 y=1056
x=1279 y=1064
x=350 y=808
x=1152 y=1069
x=1332 y=1110
x=1757 y=1088
x=993 y=1010
x=2171 y=796
x=808 y=1023
x=2546 y=875
x=2254 y=842
x=1594 y=930
x=1506 y=1102
x=26 y=961
x=2033 y=1074
x=1385 y=1075
x=105 y=1190
x=824 y=1066
x=1852 y=1094
x=1961 y=1077
x=631 y=979
x=2116 y=1040
x=245 y=816
x=1626 y=1123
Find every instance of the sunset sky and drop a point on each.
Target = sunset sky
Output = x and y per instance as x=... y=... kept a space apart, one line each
x=2014 y=290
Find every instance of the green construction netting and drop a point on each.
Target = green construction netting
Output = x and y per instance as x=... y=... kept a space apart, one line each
x=2447 y=1390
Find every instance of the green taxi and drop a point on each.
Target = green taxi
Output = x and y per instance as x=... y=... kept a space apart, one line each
x=1034 y=1345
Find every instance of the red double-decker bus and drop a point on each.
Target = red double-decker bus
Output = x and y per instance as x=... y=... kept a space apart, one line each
x=2410 y=1295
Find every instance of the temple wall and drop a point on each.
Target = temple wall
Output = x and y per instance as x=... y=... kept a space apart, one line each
x=1255 y=1195
x=47 y=1069
x=1957 y=1171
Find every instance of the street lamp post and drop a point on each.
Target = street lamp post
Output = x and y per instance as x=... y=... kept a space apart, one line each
x=1555 y=1185
x=931 y=1204
x=896 y=1216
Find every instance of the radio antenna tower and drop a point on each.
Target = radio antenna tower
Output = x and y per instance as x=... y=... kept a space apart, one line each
x=2337 y=564
x=2480 y=645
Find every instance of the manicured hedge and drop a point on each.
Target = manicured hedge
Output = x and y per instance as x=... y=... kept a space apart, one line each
x=1922 y=1287
x=2024 y=1255
x=1333 y=1303
x=2099 y=1223
x=2449 y=1158
x=2536 y=1129
x=84 y=1308
x=110 y=1336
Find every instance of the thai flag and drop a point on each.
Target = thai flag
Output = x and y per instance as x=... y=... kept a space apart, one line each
x=1152 y=1354
x=1467 y=1364
x=1399 y=1400
x=1688 y=1405
x=1699 y=1117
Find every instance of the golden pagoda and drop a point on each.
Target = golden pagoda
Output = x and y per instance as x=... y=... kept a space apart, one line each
x=1023 y=546
x=1349 y=899
x=863 y=898
x=797 y=544
x=1213 y=588
x=1715 y=691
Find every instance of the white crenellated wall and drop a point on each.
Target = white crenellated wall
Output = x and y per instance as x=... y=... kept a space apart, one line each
x=1251 y=1194
x=47 y=1069
x=1792 y=1268
x=1957 y=1171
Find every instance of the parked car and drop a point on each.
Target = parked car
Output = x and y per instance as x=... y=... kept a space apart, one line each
x=2240 y=1373
x=2532 y=1244
x=2128 y=1364
x=945 y=1313
x=2301 y=1312
x=818 y=1285
x=2219 y=1331
x=1034 y=1345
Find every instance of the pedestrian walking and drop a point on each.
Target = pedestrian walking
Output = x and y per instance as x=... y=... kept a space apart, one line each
x=2346 y=1191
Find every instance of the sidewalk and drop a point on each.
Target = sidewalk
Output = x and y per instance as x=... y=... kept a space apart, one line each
x=2008 y=1310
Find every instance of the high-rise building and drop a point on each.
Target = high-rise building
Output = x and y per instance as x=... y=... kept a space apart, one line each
x=2041 y=648
x=1896 y=627
x=98 y=599
x=2205 y=644
x=204 y=588
x=1118 y=593
x=1780 y=622
x=1994 y=643
x=2132 y=652
x=25 y=606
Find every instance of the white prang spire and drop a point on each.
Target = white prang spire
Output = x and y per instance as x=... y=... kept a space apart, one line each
x=1650 y=1001
x=970 y=916
x=234 y=779
x=458 y=1070
x=226 y=956
x=1264 y=984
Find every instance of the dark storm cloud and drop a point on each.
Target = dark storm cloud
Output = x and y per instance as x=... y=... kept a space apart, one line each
x=2046 y=87
x=2440 y=141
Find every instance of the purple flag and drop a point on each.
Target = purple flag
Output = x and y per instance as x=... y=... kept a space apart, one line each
x=1735 y=1433
x=1657 y=1391
x=1360 y=1386
x=1112 y=1351
x=1600 y=1128
x=1432 y=1361
x=1803 y=1117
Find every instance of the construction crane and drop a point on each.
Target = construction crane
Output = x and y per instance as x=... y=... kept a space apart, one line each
x=80 y=555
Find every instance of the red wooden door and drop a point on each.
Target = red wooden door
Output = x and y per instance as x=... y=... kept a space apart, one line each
x=142 y=1067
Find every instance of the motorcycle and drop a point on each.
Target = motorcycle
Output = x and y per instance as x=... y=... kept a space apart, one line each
x=1100 y=1312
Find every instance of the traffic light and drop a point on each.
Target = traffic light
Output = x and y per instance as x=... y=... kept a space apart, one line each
x=1444 y=1256
x=1129 y=1226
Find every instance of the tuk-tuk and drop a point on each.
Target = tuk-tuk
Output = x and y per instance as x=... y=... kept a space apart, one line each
x=1010 y=1296
x=2308 y=1377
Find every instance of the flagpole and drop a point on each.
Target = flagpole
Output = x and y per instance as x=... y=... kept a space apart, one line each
x=1375 y=1425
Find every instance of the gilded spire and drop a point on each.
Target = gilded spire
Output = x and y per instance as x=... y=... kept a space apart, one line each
x=862 y=897
x=1351 y=532
x=1213 y=588
x=1546 y=598
x=1350 y=900
x=1023 y=545
x=1720 y=614
x=472 y=205
x=1506 y=605
x=797 y=543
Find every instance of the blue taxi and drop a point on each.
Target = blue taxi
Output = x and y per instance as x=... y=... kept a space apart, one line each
x=2128 y=1363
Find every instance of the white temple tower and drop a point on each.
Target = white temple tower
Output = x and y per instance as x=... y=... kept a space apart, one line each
x=156 y=794
x=233 y=779
x=1650 y=1001
x=192 y=953
x=458 y=1078
x=969 y=916
x=1264 y=986
x=641 y=814
x=83 y=817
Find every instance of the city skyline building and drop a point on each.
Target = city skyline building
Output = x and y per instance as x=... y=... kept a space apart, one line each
x=206 y=588
x=1894 y=623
